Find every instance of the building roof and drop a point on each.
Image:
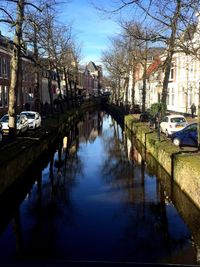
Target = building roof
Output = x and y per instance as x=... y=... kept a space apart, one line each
x=92 y=67
x=154 y=66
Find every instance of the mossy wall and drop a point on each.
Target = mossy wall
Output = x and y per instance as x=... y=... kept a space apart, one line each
x=182 y=166
x=19 y=156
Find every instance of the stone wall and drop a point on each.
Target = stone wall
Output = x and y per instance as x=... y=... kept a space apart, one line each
x=182 y=166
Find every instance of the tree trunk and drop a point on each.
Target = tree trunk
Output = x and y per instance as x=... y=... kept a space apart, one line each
x=15 y=66
x=133 y=87
x=50 y=92
x=66 y=87
x=118 y=91
x=66 y=83
x=58 y=80
x=126 y=90
x=168 y=61
x=37 y=74
x=144 y=88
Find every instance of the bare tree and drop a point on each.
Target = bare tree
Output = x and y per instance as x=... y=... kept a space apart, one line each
x=15 y=20
x=15 y=14
x=141 y=47
x=116 y=62
x=169 y=20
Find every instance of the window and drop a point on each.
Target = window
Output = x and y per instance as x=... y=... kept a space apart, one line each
x=5 y=67
x=172 y=99
x=171 y=77
x=6 y=96
x=1 y=67
x=192 y=127
x=1 y=96
x=23 y=95
x=178 y=120
x=30 y=95
x=165 y=119
x=167 y=99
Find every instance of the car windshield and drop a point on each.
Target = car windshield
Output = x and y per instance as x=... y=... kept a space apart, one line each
x=192 y=127
x=4 y=118
x=178 y=119
x=30 y=115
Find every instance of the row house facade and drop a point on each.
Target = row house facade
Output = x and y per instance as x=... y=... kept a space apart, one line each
x=183 y=86
x=154 y=77
x=184 y=80
x=25 y=92
x=86 y=81
x=92 y=79
x=4 y=77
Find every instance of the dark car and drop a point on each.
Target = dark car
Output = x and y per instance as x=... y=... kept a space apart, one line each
x=186 y=136
x=145 y=117
x=148 y=117
x=136 y=109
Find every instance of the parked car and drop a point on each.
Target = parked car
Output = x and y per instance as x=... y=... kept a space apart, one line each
x=22 y=124
x=145 y=116
x=34 y=119
x=172 y=123
x=136 y=109
x=186 y=137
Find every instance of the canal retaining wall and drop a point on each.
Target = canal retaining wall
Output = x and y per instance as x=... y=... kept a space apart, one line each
x=17 y=156
x=182 y=165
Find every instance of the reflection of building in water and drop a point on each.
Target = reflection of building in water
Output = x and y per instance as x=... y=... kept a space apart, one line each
x=90 y=128
x=65 y=139
x=136 y=155
x=129 y=147
x=132 y=152
x=93 y=134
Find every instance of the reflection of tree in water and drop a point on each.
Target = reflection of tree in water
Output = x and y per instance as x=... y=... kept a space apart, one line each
x=117 y=170
x=149 y=230
x=147 y=226
x=64 y=165
x=49 y=202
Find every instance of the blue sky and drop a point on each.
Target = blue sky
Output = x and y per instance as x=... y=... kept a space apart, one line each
x=90 y=28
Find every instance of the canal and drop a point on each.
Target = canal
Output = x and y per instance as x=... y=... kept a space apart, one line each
x=93 y=198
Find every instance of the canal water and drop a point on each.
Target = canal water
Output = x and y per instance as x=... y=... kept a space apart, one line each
x=93 y=198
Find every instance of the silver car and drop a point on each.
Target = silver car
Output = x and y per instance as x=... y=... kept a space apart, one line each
x=172 y=123
x=34 y=119
x=21 y=124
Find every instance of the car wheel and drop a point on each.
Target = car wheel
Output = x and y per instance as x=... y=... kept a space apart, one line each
x=176 y=142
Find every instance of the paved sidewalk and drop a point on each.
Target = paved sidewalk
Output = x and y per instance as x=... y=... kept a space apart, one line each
x=188 y=118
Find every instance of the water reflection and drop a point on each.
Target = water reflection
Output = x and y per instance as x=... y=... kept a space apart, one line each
x=94 y=198
x=170 y=196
